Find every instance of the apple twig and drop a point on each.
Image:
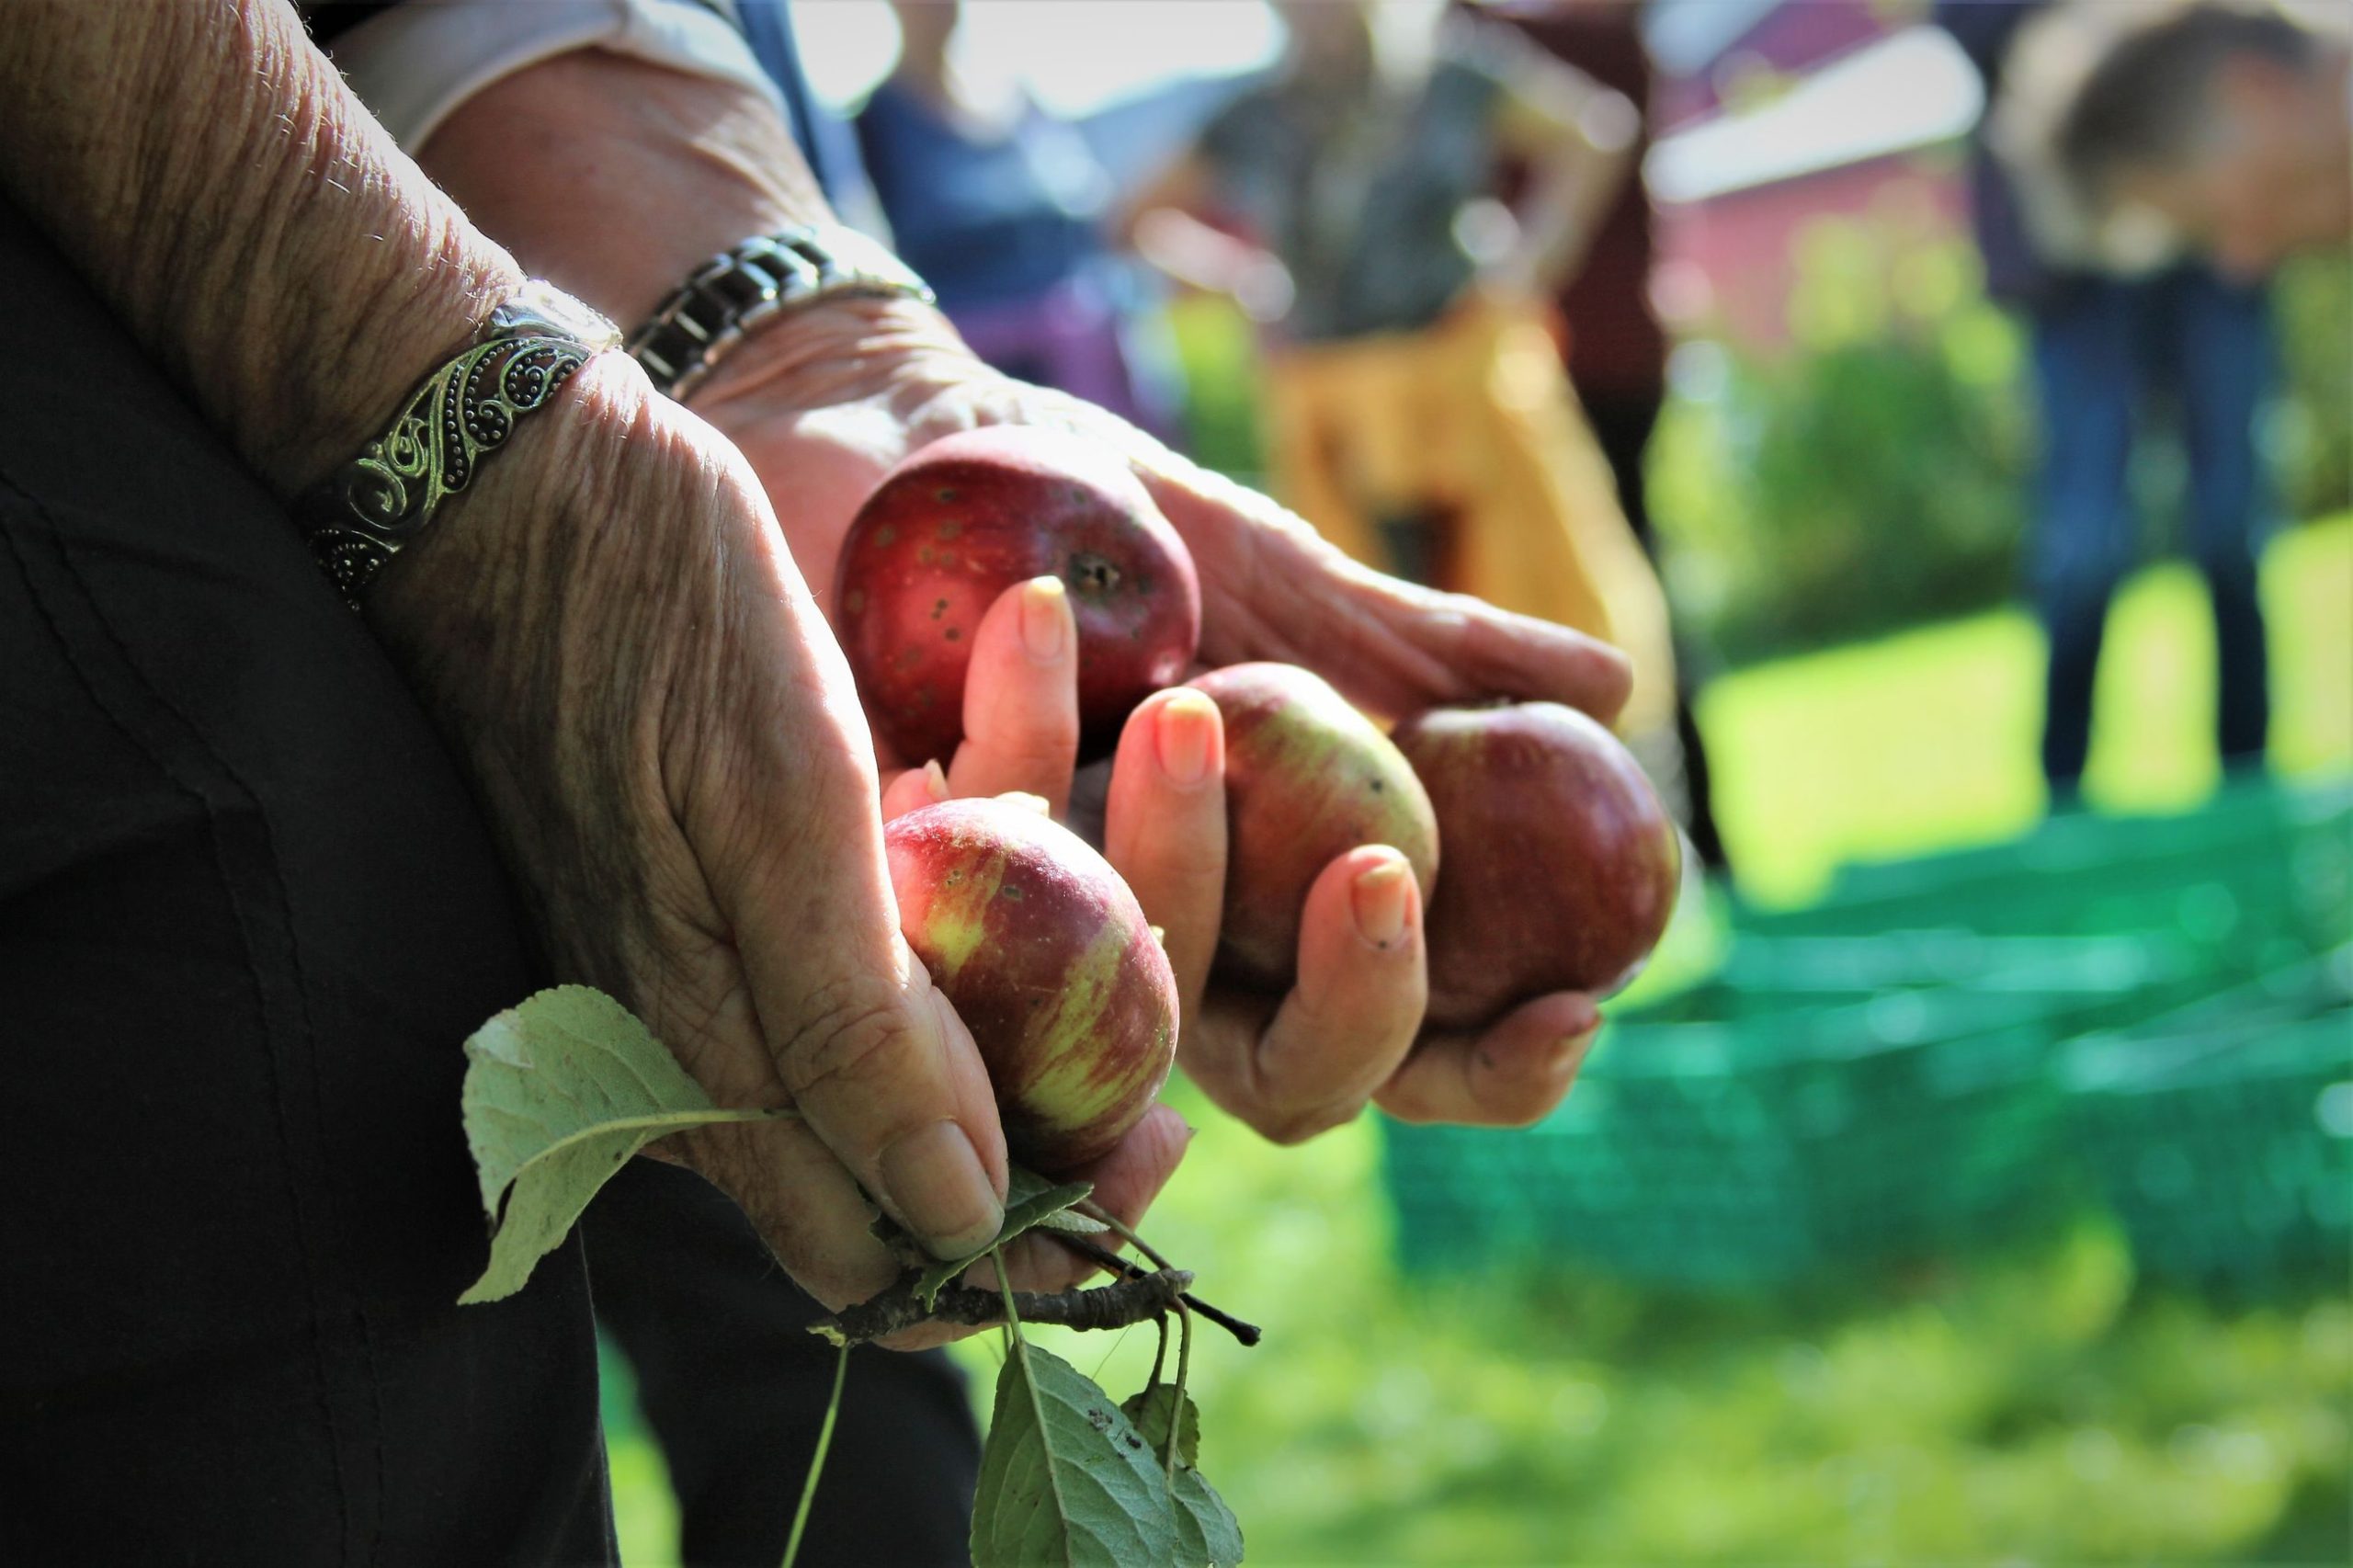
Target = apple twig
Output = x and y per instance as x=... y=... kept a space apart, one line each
x=1131 y=1300
x=1248 y=1333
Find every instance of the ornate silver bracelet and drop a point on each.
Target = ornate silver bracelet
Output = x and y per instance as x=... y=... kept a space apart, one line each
x=364 y=512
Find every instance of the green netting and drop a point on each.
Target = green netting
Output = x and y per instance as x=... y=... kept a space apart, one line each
x=2260 y=873
x=1734 y=1154
x=2222 y=1136
x=1892 y=1074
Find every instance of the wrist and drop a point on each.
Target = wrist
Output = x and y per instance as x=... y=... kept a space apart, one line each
x=502 y=553
x=836 y=350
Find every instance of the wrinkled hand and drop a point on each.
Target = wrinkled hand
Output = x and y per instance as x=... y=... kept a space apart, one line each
x=822 y=428
x=611 y=632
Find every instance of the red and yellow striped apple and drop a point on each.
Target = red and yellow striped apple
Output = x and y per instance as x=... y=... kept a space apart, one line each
x=1307 y=780
x=1560 y=863
x=968 y=516
x=1045 y=954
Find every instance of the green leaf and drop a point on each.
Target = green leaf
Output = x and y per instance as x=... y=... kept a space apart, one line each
x=559 y=1093
x=1152 y=1411
x=1065 y=1482
x=1207 y=1530
x=1031 y=1200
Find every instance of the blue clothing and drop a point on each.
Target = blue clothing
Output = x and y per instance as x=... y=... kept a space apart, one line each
x=2102 y=347
x=987 y=219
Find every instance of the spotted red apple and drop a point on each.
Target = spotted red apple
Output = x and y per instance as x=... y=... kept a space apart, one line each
x=1560 y=863
x=1045 y=954
x=1307 y=780
x=969 y=515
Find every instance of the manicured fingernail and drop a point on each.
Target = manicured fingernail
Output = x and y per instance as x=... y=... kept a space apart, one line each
x=1182 y=734
x=1378 y=897
x=934 y=780
x=1045 y=612
x=935 y=1179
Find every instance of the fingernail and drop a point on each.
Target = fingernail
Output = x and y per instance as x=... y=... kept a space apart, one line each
x=1567 y=1048
x=1045 y=611
x=934 y=780
x=1028 y=802
x=1378 y=897
x=1182 y=736
x=935 y=1179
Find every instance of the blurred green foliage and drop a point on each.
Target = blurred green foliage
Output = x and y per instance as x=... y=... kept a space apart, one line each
x=1868 y=476
x=2314 y=427
x=1874 y=472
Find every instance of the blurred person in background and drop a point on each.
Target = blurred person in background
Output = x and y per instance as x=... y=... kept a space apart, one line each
x=1613 y=344
x=1000 y=207
x=2109 y=349
x=2235 y=125
x=1416 y=411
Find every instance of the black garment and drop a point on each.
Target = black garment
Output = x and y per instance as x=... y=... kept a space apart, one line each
x=247 y=913
x=1621 y=426
x=734 y=1386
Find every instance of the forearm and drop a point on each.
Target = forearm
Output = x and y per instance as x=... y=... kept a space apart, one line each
x=209 y=172
x=612 y=177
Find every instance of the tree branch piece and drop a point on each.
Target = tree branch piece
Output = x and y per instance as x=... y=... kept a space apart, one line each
x=1103 y=1306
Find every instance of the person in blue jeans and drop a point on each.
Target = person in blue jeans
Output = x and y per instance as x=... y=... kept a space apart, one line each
x=2103 y=350
x=2109 y=354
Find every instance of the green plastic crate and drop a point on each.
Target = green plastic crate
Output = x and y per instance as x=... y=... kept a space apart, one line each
x=2222 y=1138
x=1748 y=1153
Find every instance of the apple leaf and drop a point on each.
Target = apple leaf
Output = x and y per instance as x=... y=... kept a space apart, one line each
x=1155 y=1409
x=559 y=1093
x=1031 y=1200
x=1207 y=1530
x=1065 y=1480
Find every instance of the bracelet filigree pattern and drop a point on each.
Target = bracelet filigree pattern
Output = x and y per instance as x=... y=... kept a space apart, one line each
x=372 y=506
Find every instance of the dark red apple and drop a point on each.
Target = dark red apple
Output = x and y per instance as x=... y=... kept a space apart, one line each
x=1046 y=956
x=969 y=515
x=1560 y=863
x=1307 y=780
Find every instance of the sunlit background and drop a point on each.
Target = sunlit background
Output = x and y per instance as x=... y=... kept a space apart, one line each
x=1960 y=1187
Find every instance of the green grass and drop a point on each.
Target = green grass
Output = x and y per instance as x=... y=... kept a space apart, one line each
x=1928 y=739
x=2037 y=1406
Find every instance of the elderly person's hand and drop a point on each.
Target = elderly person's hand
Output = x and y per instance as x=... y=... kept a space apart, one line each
x=610 y=628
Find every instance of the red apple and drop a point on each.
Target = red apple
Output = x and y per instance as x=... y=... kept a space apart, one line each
x=1307 y=780
x=969 y=515
x=1560 y=863
x=1046 y=956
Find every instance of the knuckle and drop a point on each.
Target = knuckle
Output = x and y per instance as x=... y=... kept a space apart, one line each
x=849 y=1034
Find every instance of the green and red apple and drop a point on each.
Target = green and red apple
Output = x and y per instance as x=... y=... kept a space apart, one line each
x=1045 y=954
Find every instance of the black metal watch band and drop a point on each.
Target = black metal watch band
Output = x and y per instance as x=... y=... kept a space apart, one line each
x=734 y=293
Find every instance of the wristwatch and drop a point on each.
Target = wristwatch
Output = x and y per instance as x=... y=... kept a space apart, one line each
x=737 y=291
